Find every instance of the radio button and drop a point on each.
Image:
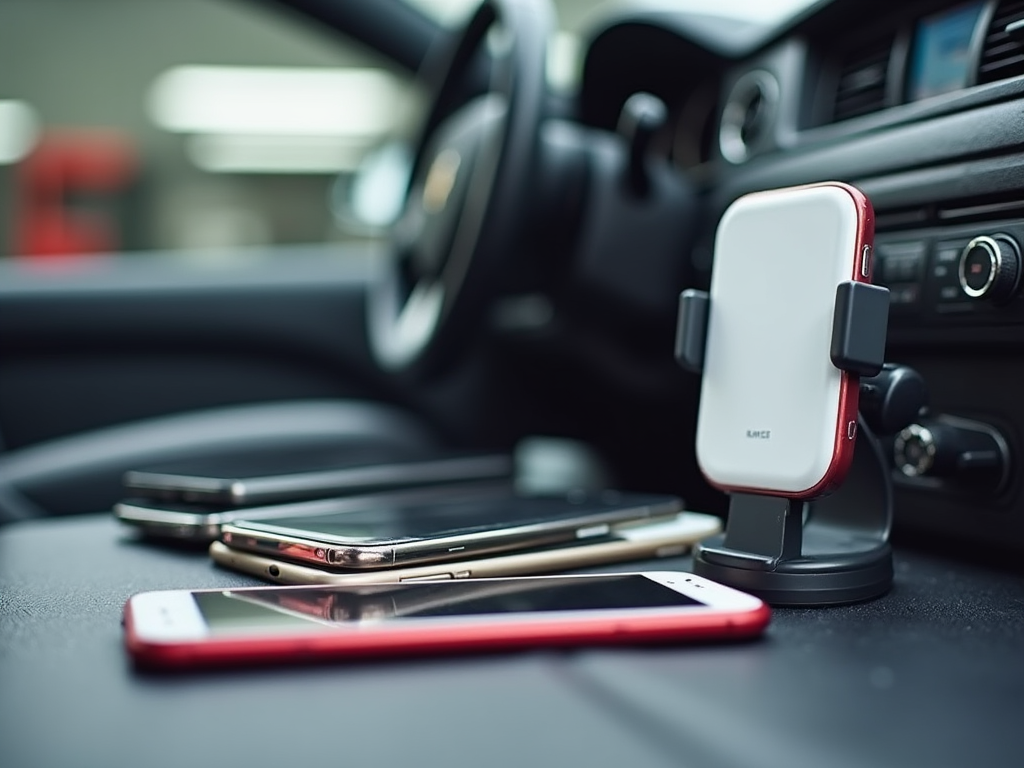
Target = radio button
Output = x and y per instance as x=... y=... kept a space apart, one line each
x=903 y=295
x=951 y=293
x=899 y=262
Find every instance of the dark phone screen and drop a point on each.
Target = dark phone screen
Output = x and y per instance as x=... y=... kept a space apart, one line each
x=270 y=609
x=258 y=464
x=386 y=523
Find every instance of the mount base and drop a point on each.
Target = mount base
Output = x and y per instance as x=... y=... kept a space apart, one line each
x=827 y=551
x=828 y=579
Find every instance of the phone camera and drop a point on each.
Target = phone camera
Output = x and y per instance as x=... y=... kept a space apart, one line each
x=274 y=571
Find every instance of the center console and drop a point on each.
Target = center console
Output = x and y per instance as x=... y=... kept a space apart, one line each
x=957 y=314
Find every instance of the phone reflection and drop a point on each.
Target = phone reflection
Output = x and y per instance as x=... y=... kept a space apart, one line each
x=250 y=609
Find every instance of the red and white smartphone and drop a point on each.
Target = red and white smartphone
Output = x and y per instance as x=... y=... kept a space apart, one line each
x=776 y=416
x=286 y=624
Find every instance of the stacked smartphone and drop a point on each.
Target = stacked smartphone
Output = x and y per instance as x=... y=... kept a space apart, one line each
x=421 y=554
x=452 y=534
x=190 y=500
x=337 y=517
x=445 y=565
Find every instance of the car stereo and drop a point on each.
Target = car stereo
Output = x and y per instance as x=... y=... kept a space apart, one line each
x=962 y=276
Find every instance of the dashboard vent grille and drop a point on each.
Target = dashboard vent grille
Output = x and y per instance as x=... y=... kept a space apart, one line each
x=863 y=80
x=1003 y=54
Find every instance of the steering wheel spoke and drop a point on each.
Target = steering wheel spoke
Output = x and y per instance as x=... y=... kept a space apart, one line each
x=468 y=199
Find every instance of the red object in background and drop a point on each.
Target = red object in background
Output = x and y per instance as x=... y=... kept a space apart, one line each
x=61 y=190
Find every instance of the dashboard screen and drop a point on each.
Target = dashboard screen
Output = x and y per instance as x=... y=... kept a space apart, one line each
x=940 y=58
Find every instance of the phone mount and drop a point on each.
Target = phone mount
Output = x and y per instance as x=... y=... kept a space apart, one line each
x=834 y=549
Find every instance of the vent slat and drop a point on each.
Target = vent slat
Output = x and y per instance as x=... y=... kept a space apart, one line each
x=863 y=80
x=1002 y=56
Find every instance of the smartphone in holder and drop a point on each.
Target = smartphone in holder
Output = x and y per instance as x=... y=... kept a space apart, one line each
x=776 y=416
x=632 y=541
x=439 y=528
x=179 y=629
x=260 y=478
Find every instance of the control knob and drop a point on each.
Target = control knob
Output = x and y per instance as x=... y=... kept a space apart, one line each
x=959 y=450
x=990 y=267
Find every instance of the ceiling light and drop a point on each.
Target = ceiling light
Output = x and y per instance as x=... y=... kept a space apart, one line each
x=273 y=154
x=275 y=101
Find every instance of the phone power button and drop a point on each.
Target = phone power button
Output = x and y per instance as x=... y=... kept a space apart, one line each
x=865 y=261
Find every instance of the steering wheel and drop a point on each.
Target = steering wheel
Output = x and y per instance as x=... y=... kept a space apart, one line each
x=468 y=192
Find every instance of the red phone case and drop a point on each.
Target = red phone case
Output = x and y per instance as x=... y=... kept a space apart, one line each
x=471 y=637
x=849 y=389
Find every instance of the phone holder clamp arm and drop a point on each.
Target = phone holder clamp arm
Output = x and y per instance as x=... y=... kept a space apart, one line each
x=859 y=325
x=833 y=549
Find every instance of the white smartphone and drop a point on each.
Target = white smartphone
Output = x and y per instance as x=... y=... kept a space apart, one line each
x=635 y=541
x=775 y=415
x=282 y=624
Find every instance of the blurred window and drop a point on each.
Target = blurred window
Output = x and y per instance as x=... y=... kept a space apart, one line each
x=131 y=125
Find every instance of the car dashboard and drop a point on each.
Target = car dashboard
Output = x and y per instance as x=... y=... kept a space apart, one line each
x=920 y=106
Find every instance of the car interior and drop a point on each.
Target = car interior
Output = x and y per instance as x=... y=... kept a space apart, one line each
x=233 y=228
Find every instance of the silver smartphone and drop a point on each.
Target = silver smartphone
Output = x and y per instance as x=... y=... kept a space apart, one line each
x=386 y=535
x=260 y=478
x=201 y=523
x=632 y=541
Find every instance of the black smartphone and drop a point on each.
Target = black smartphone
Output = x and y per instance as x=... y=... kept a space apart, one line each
x=201 y=523
x=267 y=478
x=441 y=527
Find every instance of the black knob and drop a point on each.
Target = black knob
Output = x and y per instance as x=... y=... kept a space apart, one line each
x=892 y=399
x=957 y=449
x=642 y=117
x=990 y=267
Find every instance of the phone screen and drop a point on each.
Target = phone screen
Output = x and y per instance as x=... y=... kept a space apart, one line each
x=387 y=523
x=234 y=612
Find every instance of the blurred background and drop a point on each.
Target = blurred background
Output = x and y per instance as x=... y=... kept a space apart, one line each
x=215 y=125
x=202 y=125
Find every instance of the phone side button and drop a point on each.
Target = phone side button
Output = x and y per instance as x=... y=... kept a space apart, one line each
x=429 y=577
x=463 y=574
x=602 y=529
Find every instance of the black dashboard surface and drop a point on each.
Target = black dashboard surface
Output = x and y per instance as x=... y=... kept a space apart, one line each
x=929 y=675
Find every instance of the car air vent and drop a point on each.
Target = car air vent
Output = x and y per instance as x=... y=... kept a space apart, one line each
x=1003 y=53
x=748 y=116
x=863 y=80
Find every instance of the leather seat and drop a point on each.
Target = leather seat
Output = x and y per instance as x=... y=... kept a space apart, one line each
x=83 y=472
